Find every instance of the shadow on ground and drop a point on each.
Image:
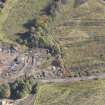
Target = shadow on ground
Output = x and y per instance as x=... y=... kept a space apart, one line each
x=25 y=38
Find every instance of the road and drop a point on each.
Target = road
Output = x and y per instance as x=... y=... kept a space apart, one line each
x=74 y=79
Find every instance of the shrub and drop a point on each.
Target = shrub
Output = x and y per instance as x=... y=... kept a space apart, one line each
x=34 y=89
x=4 y=91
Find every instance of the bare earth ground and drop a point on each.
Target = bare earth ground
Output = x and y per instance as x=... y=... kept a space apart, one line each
x=5 y=60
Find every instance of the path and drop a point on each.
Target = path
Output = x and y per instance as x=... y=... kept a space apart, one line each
x=74 y=79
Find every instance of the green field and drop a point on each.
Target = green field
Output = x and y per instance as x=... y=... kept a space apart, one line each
x=17 y=13
x=76 y=30
x=80 y=93
x=81 y=33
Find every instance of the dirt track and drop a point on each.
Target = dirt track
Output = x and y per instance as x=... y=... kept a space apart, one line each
x=74 y=79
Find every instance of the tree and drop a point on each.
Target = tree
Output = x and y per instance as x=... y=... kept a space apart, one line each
x=34 y=88
x=21 y=88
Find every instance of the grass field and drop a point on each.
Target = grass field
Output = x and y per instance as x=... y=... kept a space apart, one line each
x=80 y=93
x=76 y=29
x=20 y=16
x=81 y=32
x=3 y=16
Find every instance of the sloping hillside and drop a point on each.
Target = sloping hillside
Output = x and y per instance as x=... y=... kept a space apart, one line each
x=78 y=29
x=65 y=40
x=81 y=31
x=79 y=93
x=21 y=15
